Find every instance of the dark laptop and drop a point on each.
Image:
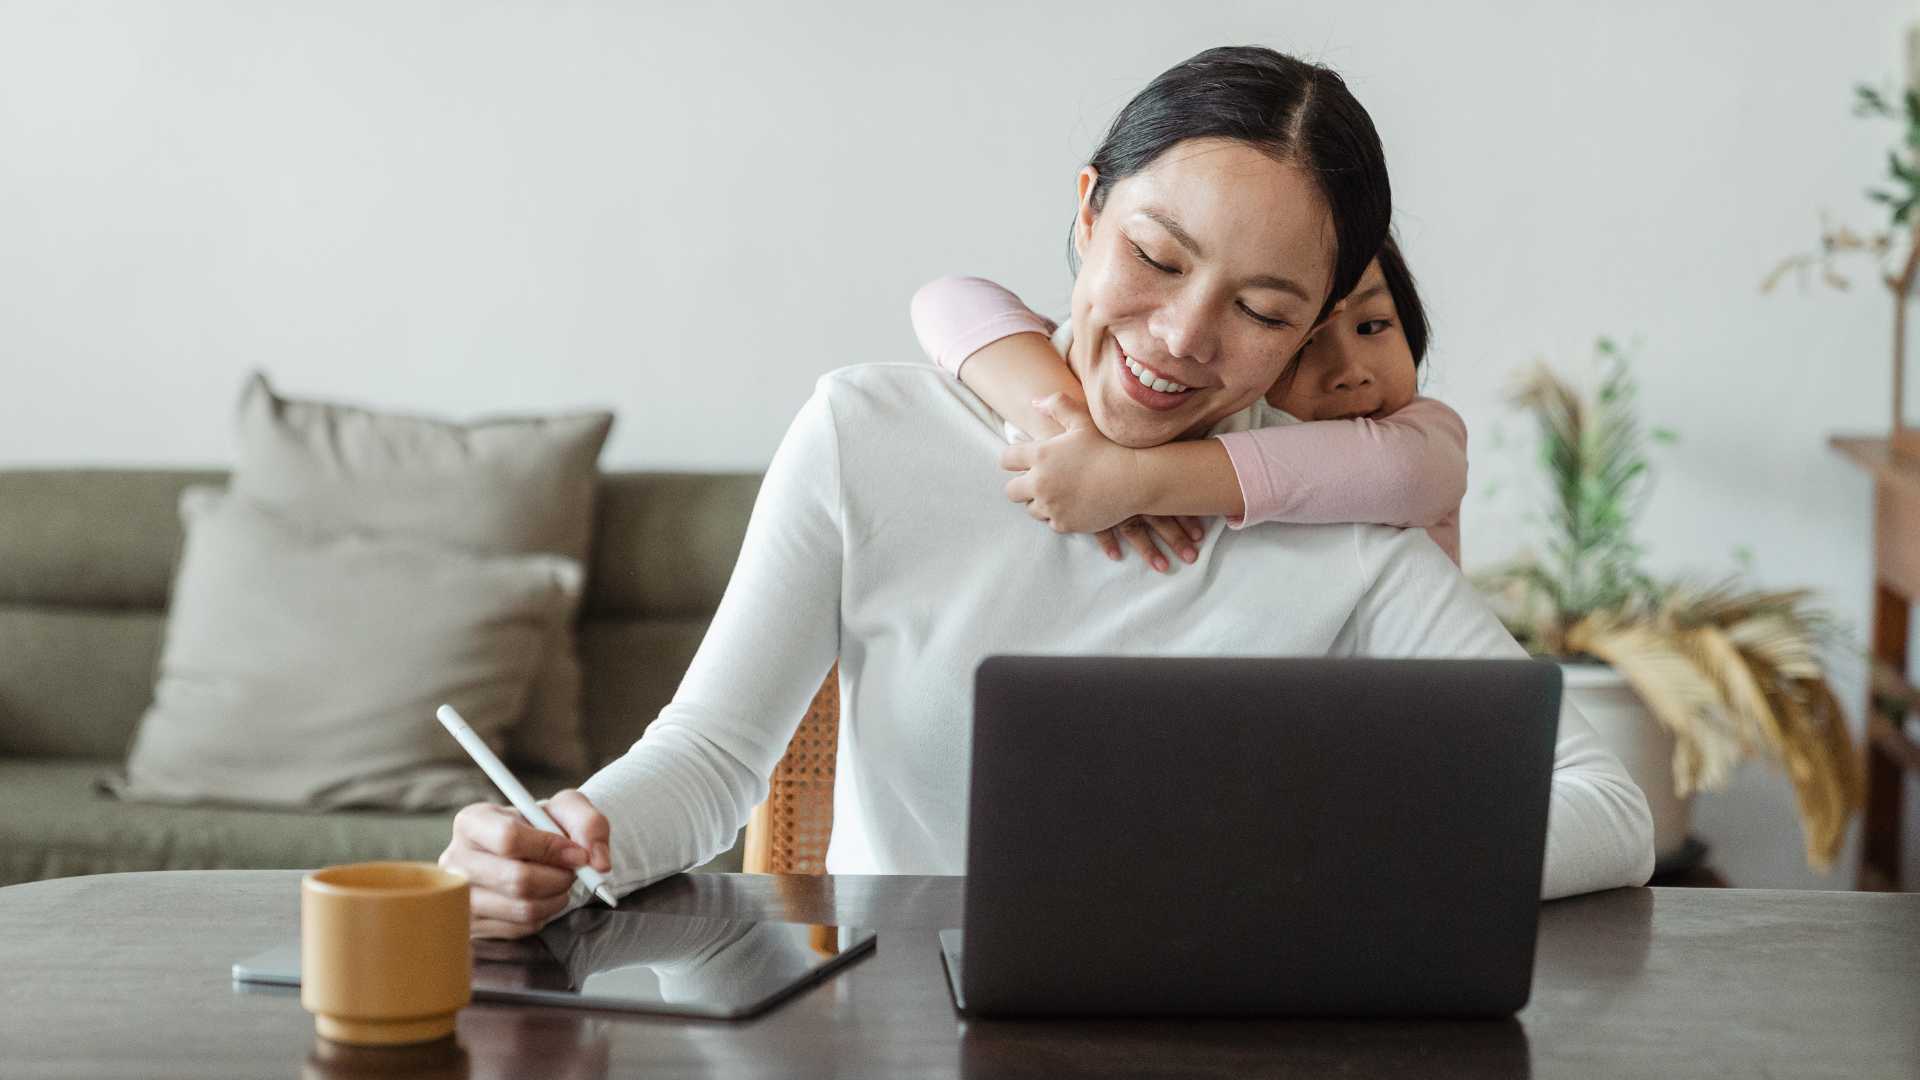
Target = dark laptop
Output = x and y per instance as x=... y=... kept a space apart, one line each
x=1219 y=836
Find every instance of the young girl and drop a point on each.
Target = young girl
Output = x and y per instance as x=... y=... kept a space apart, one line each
x=1369 y=448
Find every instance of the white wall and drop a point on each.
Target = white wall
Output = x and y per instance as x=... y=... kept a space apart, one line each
x=689 y=213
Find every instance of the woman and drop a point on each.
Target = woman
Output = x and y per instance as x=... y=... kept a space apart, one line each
x=877 y=539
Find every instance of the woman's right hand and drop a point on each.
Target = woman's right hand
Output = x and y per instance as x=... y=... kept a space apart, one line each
x=520 y=876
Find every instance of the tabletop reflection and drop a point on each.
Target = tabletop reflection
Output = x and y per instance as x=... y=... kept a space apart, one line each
x=1431 y=1050
x=441 y=1059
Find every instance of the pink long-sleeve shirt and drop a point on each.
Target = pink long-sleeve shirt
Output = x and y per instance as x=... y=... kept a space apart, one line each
x=1407 y=469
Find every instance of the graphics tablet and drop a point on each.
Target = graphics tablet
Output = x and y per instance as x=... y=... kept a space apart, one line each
x=635 y=961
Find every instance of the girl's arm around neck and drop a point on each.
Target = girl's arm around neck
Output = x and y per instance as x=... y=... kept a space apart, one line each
x=1191 y=478
x=1014 y=372
x=996 y=345
x=1406 y=469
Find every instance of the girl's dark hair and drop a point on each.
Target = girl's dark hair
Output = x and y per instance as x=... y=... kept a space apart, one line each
x=1406 y=299
x=1298 y=113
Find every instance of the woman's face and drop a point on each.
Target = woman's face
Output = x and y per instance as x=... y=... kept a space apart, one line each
x=1356 y=364
x=1202 y=274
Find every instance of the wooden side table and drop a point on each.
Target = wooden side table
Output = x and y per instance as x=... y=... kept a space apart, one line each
x=1891 y=752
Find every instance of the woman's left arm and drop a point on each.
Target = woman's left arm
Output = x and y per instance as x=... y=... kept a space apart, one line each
x=1417 y=604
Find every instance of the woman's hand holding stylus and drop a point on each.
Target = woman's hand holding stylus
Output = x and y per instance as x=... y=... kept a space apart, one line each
x=521 y=876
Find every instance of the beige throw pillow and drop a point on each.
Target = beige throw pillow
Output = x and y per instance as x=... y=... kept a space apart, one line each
x=507 y=485
x=302 y=669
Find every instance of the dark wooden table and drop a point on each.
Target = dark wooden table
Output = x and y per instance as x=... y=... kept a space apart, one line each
x=127 y=975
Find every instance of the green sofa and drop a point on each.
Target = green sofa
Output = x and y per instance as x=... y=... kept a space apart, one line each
x=86 y=561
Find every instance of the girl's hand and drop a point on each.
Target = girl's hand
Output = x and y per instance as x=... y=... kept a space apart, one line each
x=1179 y=534
x=1081 y=481
x=1076 y=481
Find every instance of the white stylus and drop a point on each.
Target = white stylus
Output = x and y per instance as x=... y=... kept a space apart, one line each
x=516 y=794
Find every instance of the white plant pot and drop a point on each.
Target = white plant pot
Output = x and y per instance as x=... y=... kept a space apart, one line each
x=1628 y=729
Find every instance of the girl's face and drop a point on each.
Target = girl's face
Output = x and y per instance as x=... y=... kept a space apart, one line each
x=1202 y=275
x=1356 y=364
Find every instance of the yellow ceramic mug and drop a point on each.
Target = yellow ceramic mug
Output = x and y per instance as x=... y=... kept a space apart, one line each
x=384 y=953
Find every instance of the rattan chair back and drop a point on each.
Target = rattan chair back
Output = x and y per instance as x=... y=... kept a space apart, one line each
x=787 y=833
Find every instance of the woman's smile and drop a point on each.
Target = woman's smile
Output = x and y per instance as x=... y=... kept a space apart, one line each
x=1147 y=386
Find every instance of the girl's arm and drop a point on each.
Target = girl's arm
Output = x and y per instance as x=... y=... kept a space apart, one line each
x=996 y=345
x=1407 y=469
x=1002 y=351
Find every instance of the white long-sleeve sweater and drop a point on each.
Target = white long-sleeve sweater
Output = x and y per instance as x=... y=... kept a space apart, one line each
x=882 y=537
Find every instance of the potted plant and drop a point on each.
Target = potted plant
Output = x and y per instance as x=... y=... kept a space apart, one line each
x=1683 y=680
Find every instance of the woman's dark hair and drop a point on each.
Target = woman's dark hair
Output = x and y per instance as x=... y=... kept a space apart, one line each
x=1406 y=299
x=1296 y=112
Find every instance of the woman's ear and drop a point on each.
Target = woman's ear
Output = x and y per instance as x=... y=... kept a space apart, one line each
x=1083 y=218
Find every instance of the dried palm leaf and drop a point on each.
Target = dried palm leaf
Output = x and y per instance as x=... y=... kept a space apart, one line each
x=1781 y=643
x=1819 y=757
x=1684 y=701
x=1747 y=707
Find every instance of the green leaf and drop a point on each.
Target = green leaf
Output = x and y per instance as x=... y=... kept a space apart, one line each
x=1592 y=451
x=1901 y=169
x=1913 y=106
x=1879 y=196
x=1867 y=101
x=1664 y=436
x=1900 y=212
